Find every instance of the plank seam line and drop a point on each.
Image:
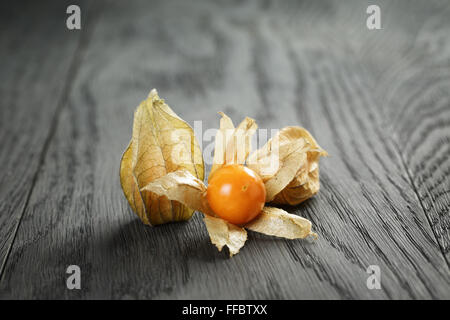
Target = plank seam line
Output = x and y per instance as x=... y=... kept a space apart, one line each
x=416 y=191
x=409 y=175
x=62 y=102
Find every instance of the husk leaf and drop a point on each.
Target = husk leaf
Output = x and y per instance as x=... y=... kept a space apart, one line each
x=232 y=145
x=277 y=222
x=223 y=233
x=161 y=143
x=182 y=187
x=289 y=166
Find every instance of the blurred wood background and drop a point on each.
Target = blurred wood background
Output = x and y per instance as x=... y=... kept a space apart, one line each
x=377 y=100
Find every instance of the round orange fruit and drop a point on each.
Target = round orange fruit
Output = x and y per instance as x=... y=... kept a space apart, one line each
x=236 y=193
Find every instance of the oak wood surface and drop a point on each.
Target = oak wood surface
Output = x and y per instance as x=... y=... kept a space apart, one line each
x=376 y=100
x=37 y=60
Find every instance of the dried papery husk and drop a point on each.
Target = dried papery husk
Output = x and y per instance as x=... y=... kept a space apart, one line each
x=232 y=145
x=226 y=129
x=161 y=143
x=277 y=222
x=289 y=166
x=278 y=162
x=183 y=187
x=239 y=144
x=170 y=190
x=223 y=233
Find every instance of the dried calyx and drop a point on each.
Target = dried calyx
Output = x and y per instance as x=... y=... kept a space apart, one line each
x=162 y=173
x=150 y=155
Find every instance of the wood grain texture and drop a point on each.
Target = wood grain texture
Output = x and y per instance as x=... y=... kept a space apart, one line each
x=36 y=55
x=384 y=196
x=417 y=111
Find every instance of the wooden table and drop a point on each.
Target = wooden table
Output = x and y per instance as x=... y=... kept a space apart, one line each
x=377 y=100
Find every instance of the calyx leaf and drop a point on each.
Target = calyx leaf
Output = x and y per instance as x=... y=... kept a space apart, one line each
x=232 y=145
x=289 y=166
x=183 y=187
x=224 y=233
x=161 y=143
x=277 y=222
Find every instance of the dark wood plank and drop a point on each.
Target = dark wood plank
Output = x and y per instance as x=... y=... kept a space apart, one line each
x=283 y=63
x=416 y=100
x=36 y=54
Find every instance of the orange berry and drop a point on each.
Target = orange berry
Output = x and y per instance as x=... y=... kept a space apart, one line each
x=236 y=193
